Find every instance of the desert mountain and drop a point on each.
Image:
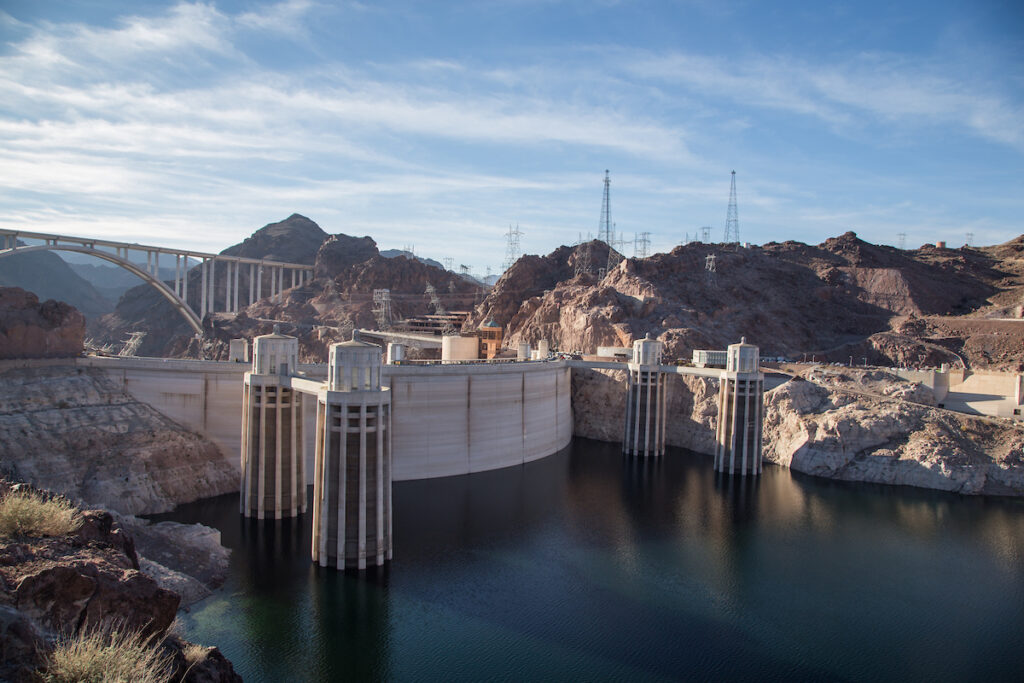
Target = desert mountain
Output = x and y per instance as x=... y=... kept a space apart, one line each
x=842 y=298
x=48 y=276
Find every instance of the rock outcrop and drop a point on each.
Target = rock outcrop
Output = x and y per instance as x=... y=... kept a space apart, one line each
x=339 y=252
x=599 y=398
x=296 y=239
x=73 y=430
x=29 y=329
x=840 y=298
x=839 y=434
x=57 y=586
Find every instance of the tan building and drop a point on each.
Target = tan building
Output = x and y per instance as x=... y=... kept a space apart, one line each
x=491 y=335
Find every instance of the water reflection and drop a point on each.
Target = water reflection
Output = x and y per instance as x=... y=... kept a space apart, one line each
x=591 y=565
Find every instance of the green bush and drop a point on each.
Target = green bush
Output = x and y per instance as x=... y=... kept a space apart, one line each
x=27 y=513
x=107 y=655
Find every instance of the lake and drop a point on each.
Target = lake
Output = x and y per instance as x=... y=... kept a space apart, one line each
x=590 y=566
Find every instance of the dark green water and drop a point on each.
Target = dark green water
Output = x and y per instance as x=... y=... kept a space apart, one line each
x=587 y=566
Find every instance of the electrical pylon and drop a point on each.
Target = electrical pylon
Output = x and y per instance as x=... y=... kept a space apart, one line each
x=512 y=249
x=732 y=217
x=604 y=228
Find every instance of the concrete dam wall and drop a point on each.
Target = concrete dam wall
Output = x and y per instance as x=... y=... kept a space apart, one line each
x=446 y=419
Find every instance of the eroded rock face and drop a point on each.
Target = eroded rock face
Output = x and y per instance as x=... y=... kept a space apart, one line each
x=841 y=435
x=339 y=252
x=599 y=408
x=30 y=329
x=74 y=431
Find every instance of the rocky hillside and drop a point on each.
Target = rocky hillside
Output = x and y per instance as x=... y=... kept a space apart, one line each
x=30 y=329
x=841 y=433
x=840 y=298
x=74 y=431
x=58 y=585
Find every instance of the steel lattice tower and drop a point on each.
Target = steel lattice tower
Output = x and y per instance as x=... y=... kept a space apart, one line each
x=604 y=229
x=512 y=250
x=732 y=217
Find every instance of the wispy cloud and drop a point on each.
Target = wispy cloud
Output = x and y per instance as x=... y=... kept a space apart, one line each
x=852 y=93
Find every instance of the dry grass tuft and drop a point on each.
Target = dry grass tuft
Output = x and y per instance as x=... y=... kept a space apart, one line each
x=194 y=653
x=28 y=513
x=107 y=655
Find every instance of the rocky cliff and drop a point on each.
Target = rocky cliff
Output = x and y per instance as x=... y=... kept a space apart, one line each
x=30 y=329
x=57 y=586
x=841 y=298
x=837 y=433
x=74 y=431
x=599 y=408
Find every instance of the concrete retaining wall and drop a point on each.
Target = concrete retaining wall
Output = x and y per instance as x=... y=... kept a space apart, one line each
x=447 y=419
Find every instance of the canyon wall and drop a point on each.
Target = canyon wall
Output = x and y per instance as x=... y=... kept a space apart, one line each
x=840 y=434
x=599 y=408
x=73 y=430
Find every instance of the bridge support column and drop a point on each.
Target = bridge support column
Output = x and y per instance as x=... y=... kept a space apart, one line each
x=227 y=287
x=352 y=478
x=213 y=290
x=644 y=432
x=259 y=283
x=234 y=303
x=273 y=482
x=740 y=412
x=252 y=282
x=202 y=289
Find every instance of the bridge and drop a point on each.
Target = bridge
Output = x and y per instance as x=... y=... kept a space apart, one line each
x=217 y=272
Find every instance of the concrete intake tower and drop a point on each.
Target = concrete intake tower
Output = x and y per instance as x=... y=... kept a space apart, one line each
x=273 y=475
x=352 y=472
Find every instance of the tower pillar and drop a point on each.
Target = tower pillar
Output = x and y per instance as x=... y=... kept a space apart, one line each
x=273 y=482
x=644 y=432
x=740 y=412
x=352 y=476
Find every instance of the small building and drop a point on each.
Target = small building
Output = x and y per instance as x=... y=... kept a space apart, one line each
x=709 y=358
x=491 y=335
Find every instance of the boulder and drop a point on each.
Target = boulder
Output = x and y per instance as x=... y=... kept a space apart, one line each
x=29 y=329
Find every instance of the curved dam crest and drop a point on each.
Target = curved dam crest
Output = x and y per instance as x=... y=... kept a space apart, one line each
x=447 y=419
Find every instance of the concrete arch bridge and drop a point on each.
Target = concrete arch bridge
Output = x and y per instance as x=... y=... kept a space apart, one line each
x=218 y=273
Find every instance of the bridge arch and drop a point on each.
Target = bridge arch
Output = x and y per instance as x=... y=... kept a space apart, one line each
x=165 y=291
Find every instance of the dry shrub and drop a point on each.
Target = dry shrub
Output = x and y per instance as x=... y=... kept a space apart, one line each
x=194 y=653
x=25 y=513
x=107 y=654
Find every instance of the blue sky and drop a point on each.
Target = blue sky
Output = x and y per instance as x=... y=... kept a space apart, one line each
x=439 y=124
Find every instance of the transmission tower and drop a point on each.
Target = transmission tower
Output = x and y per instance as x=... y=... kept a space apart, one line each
x=732 y=216
x=382 y=308
x=901 y=240
x=705 y=234
x=512 y=248
x=641 y=244
x=614 y=250
x=439 y=308
x=583 y=258
x=604 y=228
x=464 y=269
x=448 y=262
x=970 y=239
x=410 y=249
